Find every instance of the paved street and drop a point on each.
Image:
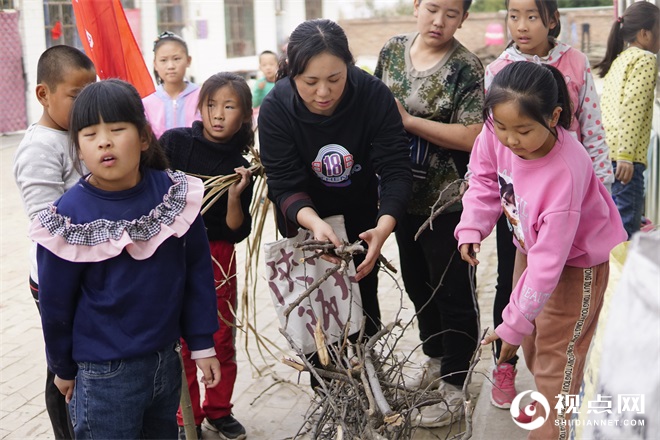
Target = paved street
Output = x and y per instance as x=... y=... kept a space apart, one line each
x=267 y=398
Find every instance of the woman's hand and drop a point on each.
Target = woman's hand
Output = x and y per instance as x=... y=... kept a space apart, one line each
x=469 y=252
x=375 y=238
x=508 y=350
x=321 y=230
x=236 y=189
x=65 y=386
x=210 y=367
x=624 y=171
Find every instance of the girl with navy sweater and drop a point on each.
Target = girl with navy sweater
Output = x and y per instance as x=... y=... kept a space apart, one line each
x=211 y=147
x=124 y=272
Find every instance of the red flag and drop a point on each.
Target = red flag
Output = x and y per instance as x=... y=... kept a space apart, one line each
x=109 y=42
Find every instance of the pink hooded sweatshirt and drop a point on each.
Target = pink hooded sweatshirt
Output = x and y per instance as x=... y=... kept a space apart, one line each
x=561 y=213
x=586 y=121
x=164 y=113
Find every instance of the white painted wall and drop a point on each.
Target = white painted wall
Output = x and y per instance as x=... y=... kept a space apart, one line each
x=148 y=30
x=33 y=41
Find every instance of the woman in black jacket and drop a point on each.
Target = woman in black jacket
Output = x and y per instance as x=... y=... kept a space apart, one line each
x=332 y=143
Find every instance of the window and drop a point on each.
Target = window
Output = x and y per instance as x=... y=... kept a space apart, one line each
x=60 y=24
x=6 y=4
x=239 y=28
x=170 y=16
x=313 y=9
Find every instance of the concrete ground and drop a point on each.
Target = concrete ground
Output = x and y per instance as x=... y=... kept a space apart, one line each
x=270 y=399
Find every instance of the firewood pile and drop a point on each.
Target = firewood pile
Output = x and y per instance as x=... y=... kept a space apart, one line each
x=362 y=392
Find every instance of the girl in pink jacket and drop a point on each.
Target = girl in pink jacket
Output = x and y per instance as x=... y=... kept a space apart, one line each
x=526 y=161
x=174 y=103
x=534 y=26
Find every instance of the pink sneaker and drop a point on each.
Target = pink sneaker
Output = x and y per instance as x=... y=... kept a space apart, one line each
x=504 y=387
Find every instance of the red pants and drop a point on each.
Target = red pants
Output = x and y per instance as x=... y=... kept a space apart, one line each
x=556 y=351
x=217 y=400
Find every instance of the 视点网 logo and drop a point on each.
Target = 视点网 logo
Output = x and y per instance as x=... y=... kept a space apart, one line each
x=630 y=411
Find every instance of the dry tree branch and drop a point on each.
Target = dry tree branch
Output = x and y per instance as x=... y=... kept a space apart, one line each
x=216 y=186
x=434 y=213
x=468 y=402
x=361 y=391
x=311 y=289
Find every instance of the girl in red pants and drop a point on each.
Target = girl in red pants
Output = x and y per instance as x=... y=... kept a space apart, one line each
x=211 y=147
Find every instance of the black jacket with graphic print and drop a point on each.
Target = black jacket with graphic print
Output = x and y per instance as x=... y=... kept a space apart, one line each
x=355 y=162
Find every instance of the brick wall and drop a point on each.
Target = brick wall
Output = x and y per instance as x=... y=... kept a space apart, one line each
x=367 y=36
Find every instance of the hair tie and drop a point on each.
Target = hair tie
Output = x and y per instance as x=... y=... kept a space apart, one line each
x=169 y=35
x=619 y=20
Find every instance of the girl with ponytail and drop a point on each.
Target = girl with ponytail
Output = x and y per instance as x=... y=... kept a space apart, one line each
x=526 y=162
x=630 y=71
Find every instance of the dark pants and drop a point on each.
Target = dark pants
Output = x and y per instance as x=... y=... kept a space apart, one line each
x=447 y=312
x=629 y=198
x=56 y=406
x=368 y=284
x=506 y=256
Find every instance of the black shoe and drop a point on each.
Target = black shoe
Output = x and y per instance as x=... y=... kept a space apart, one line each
x=227 y=427
x=182 y=432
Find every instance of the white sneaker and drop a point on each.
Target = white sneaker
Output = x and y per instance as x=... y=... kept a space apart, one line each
x=443 y=413
x=426 y=377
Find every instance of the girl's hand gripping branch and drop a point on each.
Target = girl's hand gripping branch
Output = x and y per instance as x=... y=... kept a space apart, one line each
x=507 y=352
x=237 y=188
x=469 y=253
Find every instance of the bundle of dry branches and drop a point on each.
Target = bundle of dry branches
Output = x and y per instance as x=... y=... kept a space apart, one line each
x=214 y=188
x=362 y=392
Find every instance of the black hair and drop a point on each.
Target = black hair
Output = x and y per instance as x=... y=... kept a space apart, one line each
x=547 y=10
x=113 y=100
x=57 y=61
x=245 y=135
x=466 y=4
x=268 y=52
x=638 y=16
x=163 y=38
x=311 y=38
x=537 y=89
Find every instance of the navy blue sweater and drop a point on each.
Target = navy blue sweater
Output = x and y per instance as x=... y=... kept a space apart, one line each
x=123 y=307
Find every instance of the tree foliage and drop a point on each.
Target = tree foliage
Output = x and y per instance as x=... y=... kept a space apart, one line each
x=486 y=5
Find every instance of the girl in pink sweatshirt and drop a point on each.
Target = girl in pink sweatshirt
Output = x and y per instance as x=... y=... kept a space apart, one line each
x=565 y=224
x=534 y=26
x=174 y=103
